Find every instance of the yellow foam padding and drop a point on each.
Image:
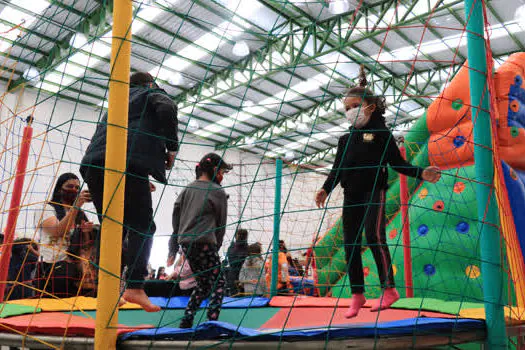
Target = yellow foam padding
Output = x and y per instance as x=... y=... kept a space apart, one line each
x=67 y=304
x=513 y=315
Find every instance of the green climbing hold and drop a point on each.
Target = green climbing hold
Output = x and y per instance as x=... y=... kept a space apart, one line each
x=457 y=104
x=514 y=131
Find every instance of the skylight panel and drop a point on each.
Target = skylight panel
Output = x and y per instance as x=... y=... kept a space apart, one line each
x=47 y=87
x=58 y=78
x=83 y=59
x=70 y=69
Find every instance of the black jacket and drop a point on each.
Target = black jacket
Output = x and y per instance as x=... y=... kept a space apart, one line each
x=362 y=158
x=152 y=131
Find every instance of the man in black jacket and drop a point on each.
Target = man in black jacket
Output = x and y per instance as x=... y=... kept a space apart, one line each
x=152 y=146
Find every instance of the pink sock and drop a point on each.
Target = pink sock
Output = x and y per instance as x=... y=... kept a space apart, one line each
x=390 y=296
x=358 y=300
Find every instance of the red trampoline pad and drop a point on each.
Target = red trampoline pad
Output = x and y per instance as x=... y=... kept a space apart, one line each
x=56 y=323
x=324 y=316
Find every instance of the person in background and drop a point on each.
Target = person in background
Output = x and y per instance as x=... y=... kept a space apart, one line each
x=179 y=283
x=161 y=274
x=199 y=225
x=89 y=255
x=360 y=166
x=57 y=271
x=237 y=253
x=22 y=268
x=283 y=279
x=151 y=148
x=293 y=269
x=252 y=272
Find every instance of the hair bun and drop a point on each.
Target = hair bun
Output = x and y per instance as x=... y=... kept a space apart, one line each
x=362 y=76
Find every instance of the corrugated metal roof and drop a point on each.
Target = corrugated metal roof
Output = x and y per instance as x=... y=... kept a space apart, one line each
x=219 y=81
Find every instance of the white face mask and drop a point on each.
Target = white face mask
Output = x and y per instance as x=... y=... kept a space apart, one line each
x=357 y=117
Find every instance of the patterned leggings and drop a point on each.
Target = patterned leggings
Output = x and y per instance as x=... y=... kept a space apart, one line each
x=206 y=266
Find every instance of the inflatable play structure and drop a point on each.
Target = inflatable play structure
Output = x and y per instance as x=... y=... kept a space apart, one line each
x=443 y=221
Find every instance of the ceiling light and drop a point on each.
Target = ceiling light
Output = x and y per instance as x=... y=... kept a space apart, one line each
x=338 y=7
x=193 y=125
x=78 y=40
x=176 y=79
x=241 y=49
x=31 y=74
x=303 y=127
x=289 y=156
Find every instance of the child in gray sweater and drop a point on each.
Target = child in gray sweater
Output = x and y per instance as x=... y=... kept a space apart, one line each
x=199 y=224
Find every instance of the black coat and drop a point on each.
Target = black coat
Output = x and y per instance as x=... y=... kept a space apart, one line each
x=362 y=157
x=152 y=131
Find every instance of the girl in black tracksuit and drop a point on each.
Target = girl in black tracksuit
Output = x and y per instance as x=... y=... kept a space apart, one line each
x=361 y=167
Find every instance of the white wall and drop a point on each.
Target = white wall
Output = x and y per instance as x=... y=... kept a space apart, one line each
x=62 y=131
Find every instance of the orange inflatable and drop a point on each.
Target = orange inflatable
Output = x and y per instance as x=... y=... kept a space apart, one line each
x=449 y=118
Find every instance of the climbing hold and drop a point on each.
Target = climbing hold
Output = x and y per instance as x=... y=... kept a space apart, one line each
x=392 y=234
x=394 y=269
x=422 y=230
x=514 y=131
x=513 y=174
x=514 y=106
x=429 y=269
x=463 y=227
x=439 y=206
x=518 y=80
x=366 y=271
x=459 y=141
x=457 y=104
x=423 y=193
x=459 y=187
x=472 y=271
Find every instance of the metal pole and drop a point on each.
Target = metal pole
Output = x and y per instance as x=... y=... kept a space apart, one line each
x=491 y=269
x=14 y=208
x=407 y=251
x=111 y=236
x=276 y=226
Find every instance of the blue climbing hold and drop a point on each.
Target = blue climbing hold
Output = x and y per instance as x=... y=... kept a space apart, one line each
x=422 y=230
x=429 y=269
x=459 y=141
x=463 y=227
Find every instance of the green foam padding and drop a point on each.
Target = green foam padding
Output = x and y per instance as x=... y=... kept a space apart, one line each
x=435 y=305
x=8 y=310
x=251 y=318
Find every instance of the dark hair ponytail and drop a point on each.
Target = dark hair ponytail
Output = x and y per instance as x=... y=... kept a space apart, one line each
x=368 y=95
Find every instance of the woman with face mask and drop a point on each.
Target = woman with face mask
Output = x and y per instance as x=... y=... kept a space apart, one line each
x=57 y=272
x=360 y=166
x=199 y=225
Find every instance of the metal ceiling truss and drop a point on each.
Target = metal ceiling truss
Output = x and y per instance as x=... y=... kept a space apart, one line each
x=313 y=31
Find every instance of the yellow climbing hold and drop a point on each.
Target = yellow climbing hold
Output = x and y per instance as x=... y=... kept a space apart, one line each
x=472 y=271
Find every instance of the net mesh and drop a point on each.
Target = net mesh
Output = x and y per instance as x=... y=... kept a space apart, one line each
x=59 y=273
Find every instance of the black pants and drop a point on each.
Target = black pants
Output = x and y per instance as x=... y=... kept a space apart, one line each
x=138 y=219
x=366 y=210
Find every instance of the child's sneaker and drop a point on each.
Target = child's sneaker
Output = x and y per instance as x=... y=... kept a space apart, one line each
x=358 y=300
x=390 y=296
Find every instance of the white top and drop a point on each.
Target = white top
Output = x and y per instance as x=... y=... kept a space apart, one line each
x=51 y=248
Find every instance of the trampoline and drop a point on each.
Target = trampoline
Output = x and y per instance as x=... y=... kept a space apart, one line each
x=285 y=322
